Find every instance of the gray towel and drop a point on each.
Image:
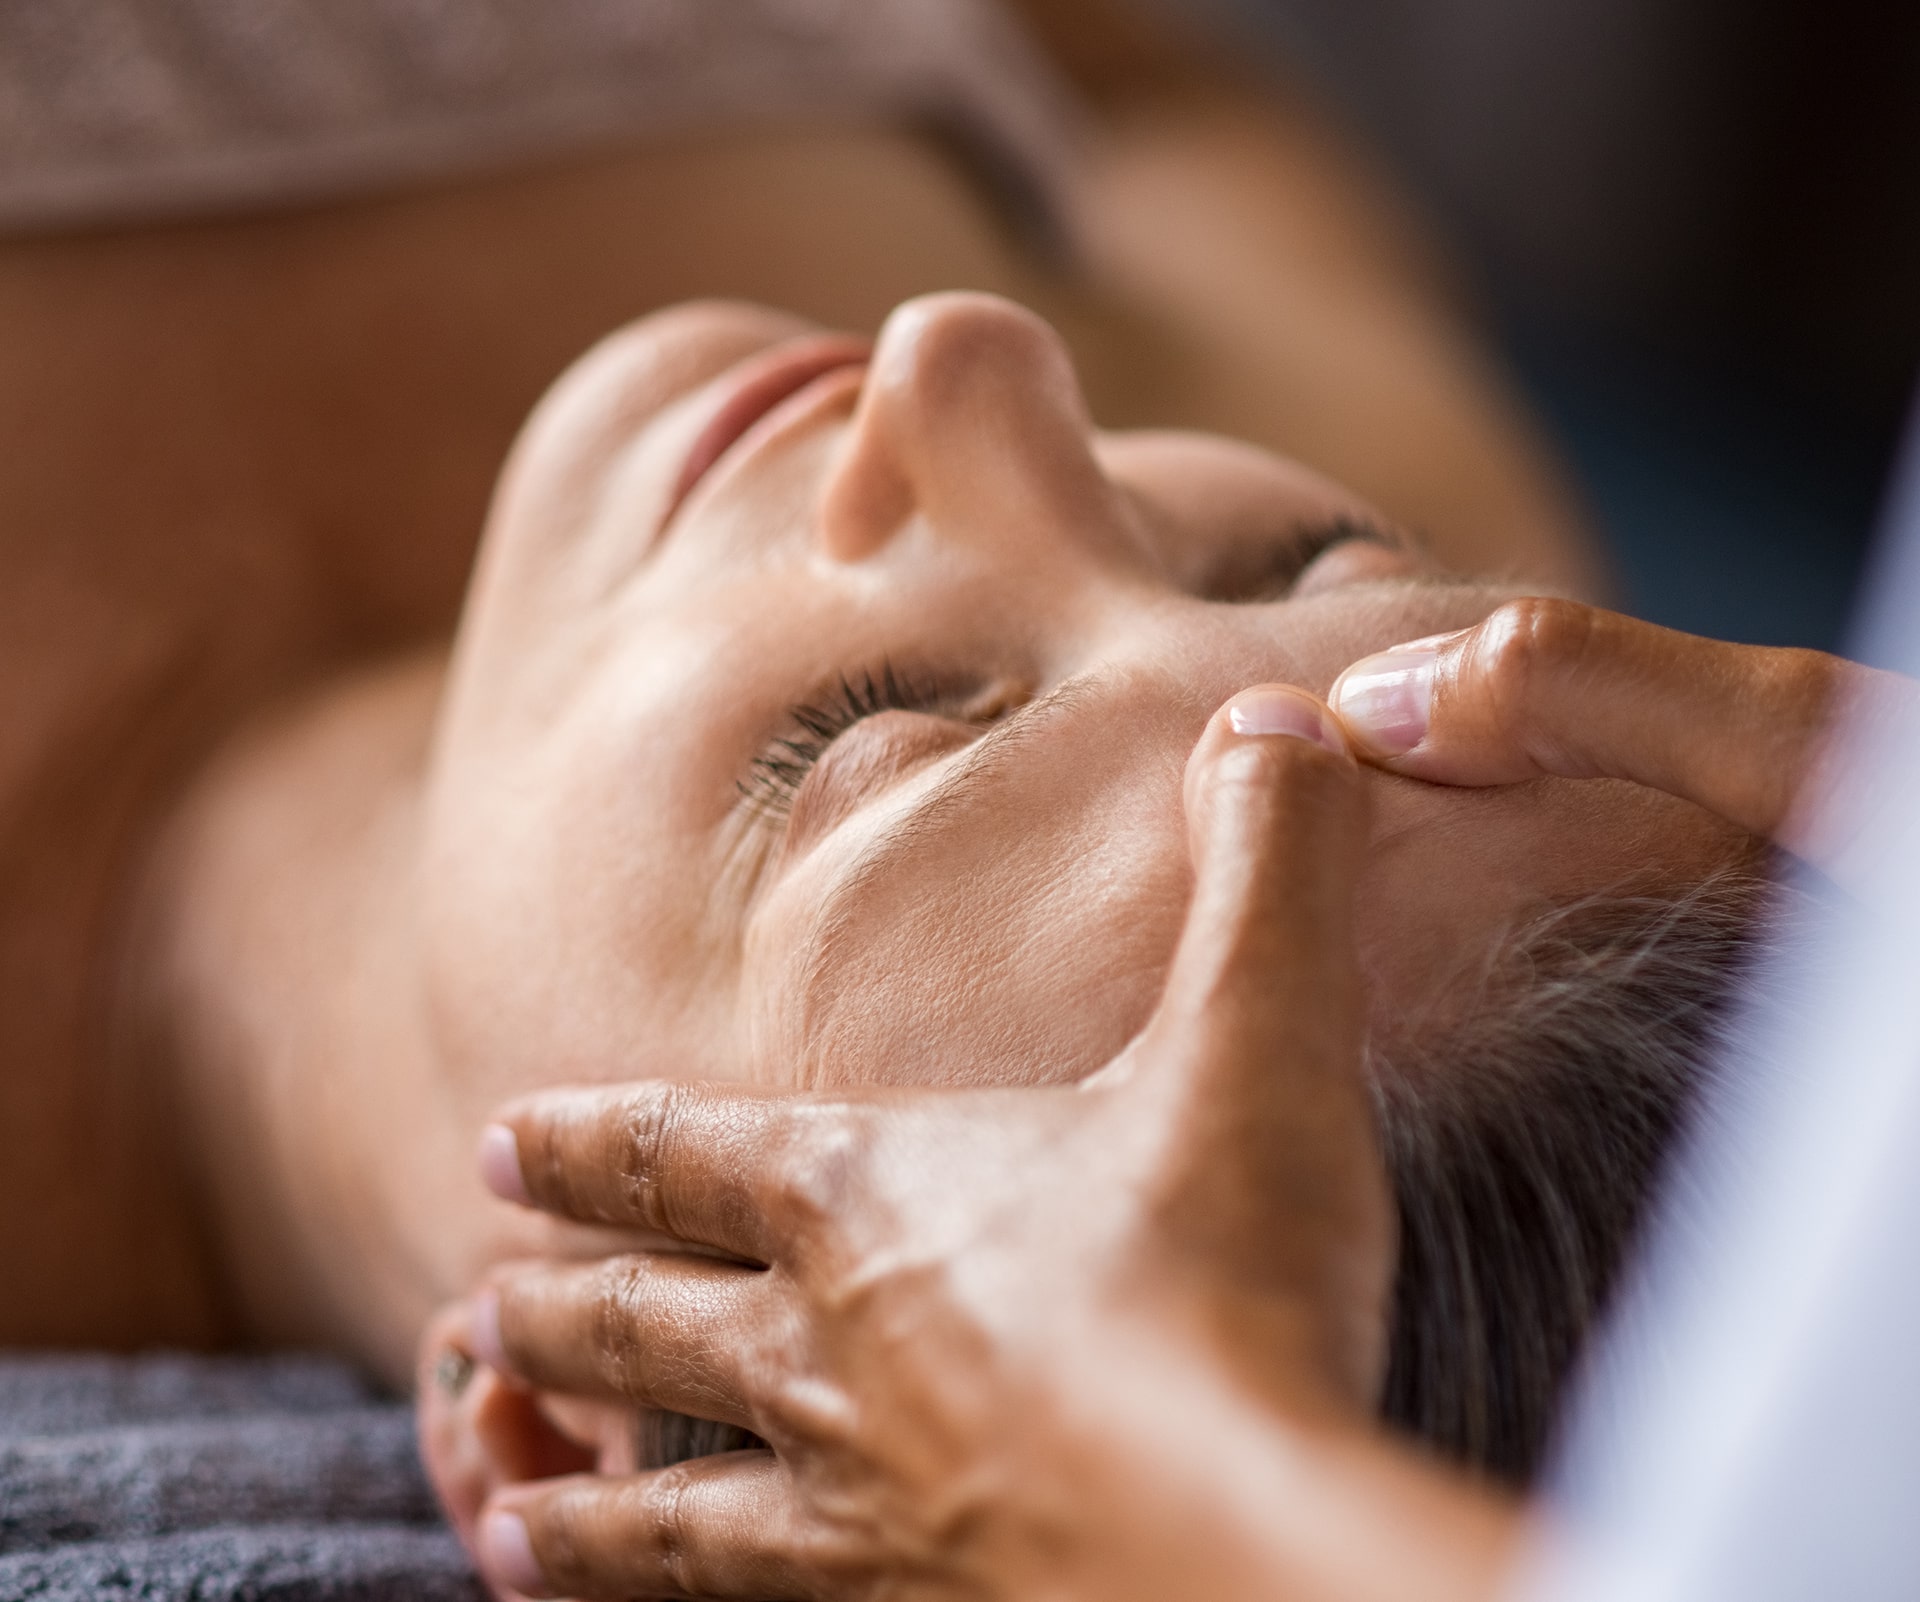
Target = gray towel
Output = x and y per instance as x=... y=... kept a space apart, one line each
x=117 y=111
x=238 y=1479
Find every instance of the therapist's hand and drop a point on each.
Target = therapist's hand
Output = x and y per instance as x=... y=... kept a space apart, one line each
x=992 y=1326
x=1556 y=688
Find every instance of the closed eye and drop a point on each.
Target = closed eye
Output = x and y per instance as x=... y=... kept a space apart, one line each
x=1268 y=571
x=774 y=779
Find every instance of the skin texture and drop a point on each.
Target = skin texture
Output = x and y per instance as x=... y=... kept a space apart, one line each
x=558 y=867
x=1015 y=1304
x=250 y=461
x=931 y=1256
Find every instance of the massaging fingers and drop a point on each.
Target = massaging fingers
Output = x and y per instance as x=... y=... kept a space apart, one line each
x=711 y=1527
x=1551 y=687
x=678 y=1159
x=658 y=1330
x=1276 y=820
x=479 y=1432
x=1257 y=1042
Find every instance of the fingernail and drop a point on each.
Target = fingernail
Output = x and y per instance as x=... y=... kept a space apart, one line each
x=500 y=1164
x=1387 y=700
x=506 y=1553
x=483 y=1332
x=1277 y=711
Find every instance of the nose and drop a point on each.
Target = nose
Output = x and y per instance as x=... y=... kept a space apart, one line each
x=972 y=418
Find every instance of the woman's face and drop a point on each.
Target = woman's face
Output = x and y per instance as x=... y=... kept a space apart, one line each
x=820 y=714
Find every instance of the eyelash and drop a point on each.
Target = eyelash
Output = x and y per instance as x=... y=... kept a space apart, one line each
x=1280 y=565
x=778 y=772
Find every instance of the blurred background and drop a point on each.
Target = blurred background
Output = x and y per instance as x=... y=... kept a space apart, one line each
x=1693 y=224
x=1696 y=225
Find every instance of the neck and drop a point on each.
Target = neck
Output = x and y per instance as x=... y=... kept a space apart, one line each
x=276 y=979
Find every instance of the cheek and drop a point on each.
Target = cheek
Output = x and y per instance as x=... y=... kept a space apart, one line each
x=562 y=929
x=1033 y=963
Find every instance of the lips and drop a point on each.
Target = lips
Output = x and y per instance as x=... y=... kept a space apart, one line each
x=755 y=388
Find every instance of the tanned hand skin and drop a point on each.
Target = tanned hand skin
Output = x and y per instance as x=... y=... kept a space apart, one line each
x=1552 y=687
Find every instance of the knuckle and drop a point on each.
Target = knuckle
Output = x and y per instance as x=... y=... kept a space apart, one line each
x=667 y=1516
x=818 y=1170
x=1275 y=785
x=1262 y=765
x=1524 y=645
x=845 y=1564
x=809 y=1414
x=643 y=1139
x=614 y=1312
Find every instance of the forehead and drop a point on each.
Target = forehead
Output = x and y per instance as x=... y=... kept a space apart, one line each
x=1453 y=873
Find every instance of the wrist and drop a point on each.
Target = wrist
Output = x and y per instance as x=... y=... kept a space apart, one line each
x=1189 y=1480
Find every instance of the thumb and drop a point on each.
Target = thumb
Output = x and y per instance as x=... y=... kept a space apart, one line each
x=1552 y=687
x=1276 y=819
x=1267 y=1162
